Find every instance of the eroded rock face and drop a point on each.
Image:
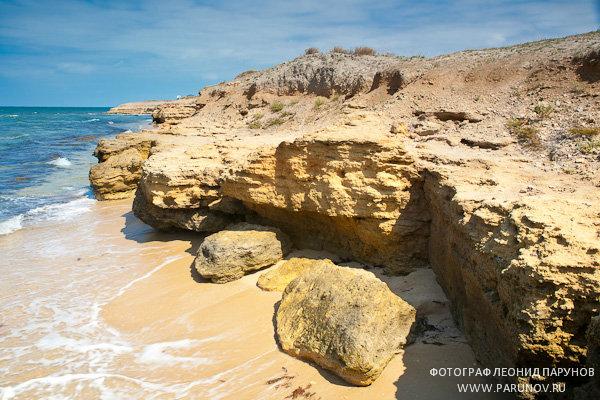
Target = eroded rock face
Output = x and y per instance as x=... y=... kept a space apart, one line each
x=172 y=112
x=181 y=188
x=117 y=177
x=512 y=239
x=591 y=390
x=354 y=197
x=202 y=220
x=530 y=269
x=230 y=254
x=328 y=74
x=345 y=320
x=120 y=165
x=286 y=271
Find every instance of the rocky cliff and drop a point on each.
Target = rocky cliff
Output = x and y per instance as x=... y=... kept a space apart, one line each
x=482 y=165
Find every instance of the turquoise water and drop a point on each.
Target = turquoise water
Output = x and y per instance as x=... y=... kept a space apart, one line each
x=45 y=155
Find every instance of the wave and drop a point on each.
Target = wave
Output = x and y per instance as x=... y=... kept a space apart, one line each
x=11 y=225
x=9 y=115
x=62 y=162
x=91 y=120
x=52 y=212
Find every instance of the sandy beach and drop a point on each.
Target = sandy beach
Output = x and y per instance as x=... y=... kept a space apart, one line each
x=102 y=306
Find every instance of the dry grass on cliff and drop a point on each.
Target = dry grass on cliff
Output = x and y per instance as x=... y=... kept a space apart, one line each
x=524 y=131
x=364 y=51
x=585 y=131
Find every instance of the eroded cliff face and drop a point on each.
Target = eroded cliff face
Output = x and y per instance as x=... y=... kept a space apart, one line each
x=407 y=164
x=359 y=198
x=523 y=276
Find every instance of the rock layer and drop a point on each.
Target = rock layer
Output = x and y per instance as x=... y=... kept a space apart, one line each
x=345 y=320
x=354 y=197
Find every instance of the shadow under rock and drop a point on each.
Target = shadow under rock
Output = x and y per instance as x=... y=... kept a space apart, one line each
x=197 y=277
x=417 y=382
x=140 y=232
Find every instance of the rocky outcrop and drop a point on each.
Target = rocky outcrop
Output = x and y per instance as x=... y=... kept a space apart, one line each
x=120 y=167
x=173 y=112
x=137 y=108
x=140 y=142
x=286 y=271
x=329 y=74
x=242 y=248
x=203 y=220
x=117 y=177
x=345 y=320
x=408 y=163
x=354 y=197
x=529 y=268
x=181 y=188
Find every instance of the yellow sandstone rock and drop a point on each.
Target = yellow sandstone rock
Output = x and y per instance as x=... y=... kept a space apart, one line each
x=286 y=271
x=345 y=320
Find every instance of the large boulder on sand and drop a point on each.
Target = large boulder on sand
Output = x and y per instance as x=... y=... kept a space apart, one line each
x=345 y=320
x=281 y=275
x=241 y=248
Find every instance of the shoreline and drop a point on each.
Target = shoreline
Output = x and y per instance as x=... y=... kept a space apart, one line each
x=142 y=325
x=37 y=197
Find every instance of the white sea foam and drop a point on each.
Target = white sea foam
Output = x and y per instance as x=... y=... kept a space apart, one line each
x=91 y=120
x=62 y=162
x=61 y=211
x=11 y=225
x=110 y=122
x=157 y=353
x=50 y=212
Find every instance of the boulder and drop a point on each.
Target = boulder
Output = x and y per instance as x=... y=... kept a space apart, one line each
x=230 y=254
x=345 y=320
x=280 y=276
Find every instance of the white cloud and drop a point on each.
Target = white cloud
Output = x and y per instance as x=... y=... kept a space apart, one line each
x=157 y=39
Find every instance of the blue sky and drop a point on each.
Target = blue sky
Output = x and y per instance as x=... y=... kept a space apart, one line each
x=97 y=53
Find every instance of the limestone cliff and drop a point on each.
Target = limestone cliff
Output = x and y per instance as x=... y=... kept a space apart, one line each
x=482 y=165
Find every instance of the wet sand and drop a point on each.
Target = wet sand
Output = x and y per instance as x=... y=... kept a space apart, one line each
x=102 y=306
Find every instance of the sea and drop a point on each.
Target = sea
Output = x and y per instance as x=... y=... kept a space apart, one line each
x=45 y=156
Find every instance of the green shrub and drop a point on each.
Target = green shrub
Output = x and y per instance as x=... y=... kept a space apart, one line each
x=525 y=133
x=589 y=147
x=277 y=106
x=543 y=111
x=254 y=124
x=274 y=122
x=585 y=131
x=255 y=121
x=319 y=101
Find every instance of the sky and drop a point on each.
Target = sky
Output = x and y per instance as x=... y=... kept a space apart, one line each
x=103 y=53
